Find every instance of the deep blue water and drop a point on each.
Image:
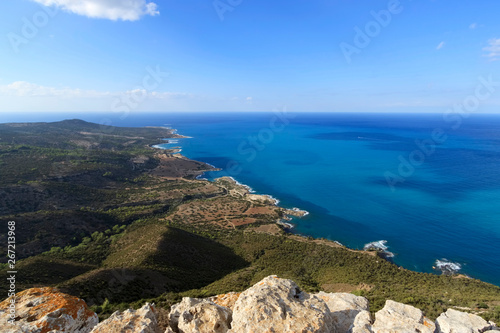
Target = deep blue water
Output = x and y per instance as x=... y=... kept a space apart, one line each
x=336 y=166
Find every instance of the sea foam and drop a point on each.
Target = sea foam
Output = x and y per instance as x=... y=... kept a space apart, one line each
x=447 y=267
x=379 y=246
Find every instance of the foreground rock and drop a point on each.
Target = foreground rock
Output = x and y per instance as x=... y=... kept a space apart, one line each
x=273 y=305
x=397 y=317
x=344 y=308
x=130 y=321
x=200 y=316
x=41 y=310
x=455 y=321
x=278 y=306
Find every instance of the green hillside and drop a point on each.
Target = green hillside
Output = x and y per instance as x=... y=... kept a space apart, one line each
x=103 y=216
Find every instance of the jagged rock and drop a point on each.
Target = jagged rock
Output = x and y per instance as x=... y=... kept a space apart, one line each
x=227 y=300
x=47 y=310
x=455 y=321
x=361 y=324
x=179 y=308
x=278 y=305
x=400 y=318
x=205 y=317
x=344 y=308
x=130 y=321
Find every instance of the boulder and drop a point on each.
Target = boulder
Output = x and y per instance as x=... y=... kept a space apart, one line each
x=278 y=305
x=177 y=309
x=41 y=310
x=205 y=317
x=400 y=318
x=227 y=300
x=455 y=321
x=130 y=321
x=361 y=324
x=344 y=308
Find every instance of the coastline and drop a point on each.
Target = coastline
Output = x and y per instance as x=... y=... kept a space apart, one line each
x=190 y=228
x=288 y=213
x=378 y=247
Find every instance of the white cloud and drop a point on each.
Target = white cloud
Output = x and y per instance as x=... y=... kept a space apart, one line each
x=473 y=26
x=26 y=96
x=126 y=10
x=170 y=95
x=440 y=46
x=493 y=49
x=26 y=89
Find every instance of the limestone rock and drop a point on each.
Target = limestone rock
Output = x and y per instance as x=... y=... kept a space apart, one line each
x=179 y=308
x=361 y=324
x=227 y=300
x=130 y=321
x=455 y=321
x=278 y=305
x=396 y=317
x=344 y=308
x=44 y=310
x=205 y=317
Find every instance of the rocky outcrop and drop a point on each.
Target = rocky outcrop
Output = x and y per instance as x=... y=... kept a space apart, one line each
x=42 y=310
x=199 y=315
x=279 y=306
x=228 y=300
x=362 y=323
x=455 y=321
x=205 y=317
x=397 y=317
x=130 y=321
x=344 y=308
x=273 y=305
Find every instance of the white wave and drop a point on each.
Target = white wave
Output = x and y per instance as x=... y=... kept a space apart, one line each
x=305 y=212
x=379 y=246
x=249 y=189
x=213 y=166
x=286 y=224
x=276 y=201
x=447 y=267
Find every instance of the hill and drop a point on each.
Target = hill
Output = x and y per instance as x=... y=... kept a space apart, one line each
x=104 y=216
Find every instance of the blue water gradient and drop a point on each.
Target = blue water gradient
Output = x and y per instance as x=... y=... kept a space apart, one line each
x=335 y=166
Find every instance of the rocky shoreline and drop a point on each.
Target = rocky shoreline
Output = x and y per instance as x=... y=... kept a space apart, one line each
x=236 y=188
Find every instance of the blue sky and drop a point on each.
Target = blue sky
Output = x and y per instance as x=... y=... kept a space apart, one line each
x=247 y=55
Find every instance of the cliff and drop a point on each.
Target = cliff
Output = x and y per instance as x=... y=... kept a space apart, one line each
x=272 y=305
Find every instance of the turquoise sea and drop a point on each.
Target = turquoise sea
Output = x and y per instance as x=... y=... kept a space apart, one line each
x=429 y=185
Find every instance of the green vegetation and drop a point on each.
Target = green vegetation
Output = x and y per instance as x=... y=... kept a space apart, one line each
x=103 y=216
